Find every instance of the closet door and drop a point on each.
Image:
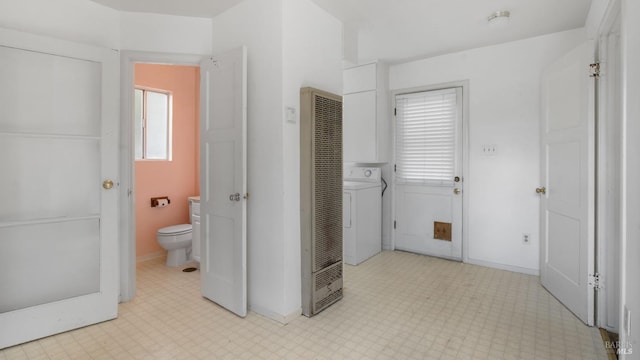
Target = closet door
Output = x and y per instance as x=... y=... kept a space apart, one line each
x=59 y=186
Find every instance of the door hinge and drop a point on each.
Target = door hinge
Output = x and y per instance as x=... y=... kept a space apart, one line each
x=594 y=70
x=394 y=224
x=395 y=168
x=395 y=111
x=594 y=281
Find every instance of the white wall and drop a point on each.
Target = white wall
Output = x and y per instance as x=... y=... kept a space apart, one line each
x=504 y=98
x=631 y=191
x=75 y=20
x=312 y=56
x=165 y=33
x=291 y=44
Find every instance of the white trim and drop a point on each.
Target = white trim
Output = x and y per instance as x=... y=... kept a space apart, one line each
x=127 y=164
x=151 y=256
x=282 y=319
x=465 y=85
x=493 y=265
x=605 y=244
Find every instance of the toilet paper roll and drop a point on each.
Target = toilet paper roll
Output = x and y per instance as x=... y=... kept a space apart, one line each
x=163 y=202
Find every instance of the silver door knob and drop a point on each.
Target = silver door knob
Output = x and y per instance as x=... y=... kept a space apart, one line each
x=457 y=191
x=541 y=190
x=234 y=197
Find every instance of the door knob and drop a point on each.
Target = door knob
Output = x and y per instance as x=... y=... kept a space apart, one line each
x=541 y=190
x=107 y=184
x=457 y=191
x=234 y=197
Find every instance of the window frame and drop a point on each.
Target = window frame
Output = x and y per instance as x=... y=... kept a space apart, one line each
x=169 y=123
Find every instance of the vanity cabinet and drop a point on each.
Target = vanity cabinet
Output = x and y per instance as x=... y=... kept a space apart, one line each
x=194 y=207
x=366 y=117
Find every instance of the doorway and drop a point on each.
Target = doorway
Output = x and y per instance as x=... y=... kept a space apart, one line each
x=167 y=149
x=128 y=230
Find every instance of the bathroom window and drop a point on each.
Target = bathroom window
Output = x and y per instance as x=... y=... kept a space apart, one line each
x=152 y=124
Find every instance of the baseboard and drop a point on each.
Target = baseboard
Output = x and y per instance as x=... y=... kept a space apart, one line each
x=282 y=319
x=151 y=256
x=517 y=269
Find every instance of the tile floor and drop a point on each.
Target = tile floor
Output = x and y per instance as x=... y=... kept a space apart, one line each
x=396 y=306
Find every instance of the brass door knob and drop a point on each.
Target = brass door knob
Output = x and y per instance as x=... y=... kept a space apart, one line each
x=541 y=190
x=457 y=191
x=107 y=184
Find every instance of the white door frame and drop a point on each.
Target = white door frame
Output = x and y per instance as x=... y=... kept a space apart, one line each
x=464 y=84
x=127 y=162
x=608 y=254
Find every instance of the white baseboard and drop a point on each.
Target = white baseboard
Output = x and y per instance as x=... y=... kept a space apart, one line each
x=151 y=256
x=282 y=319
x=517 y=269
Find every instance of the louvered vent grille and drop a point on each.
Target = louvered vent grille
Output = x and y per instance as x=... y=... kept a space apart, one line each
x=328 y=287
x=320 y=199
x=327 y=182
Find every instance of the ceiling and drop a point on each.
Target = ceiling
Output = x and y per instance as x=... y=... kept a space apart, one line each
x=401 y=30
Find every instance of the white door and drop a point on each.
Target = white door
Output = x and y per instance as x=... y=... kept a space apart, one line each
x=567 y=189
x=58 y=225
x=428 y=173
x=223 y=193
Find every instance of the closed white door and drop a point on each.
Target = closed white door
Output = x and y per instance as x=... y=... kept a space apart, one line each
x=59 y=186
x=223 y=193
x=428 y=173
x=567 y=189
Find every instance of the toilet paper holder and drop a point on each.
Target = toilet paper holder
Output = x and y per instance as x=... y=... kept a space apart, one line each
x=160 y=201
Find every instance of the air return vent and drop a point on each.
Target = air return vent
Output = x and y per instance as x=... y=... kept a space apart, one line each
x=321 y=199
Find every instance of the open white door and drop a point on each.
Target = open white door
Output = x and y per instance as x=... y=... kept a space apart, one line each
x=59 y=187
x=567 y=192
x=223 y=193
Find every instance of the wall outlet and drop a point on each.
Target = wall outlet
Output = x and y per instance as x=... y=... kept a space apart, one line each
x=526 y=239
x=489 y=150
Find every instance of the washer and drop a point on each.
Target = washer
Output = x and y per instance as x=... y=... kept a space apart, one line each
x=362 y=214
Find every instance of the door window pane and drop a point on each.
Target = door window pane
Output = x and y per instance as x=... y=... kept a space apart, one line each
x=152 y=125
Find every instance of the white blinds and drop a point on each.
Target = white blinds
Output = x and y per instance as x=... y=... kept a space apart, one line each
x=426 y=136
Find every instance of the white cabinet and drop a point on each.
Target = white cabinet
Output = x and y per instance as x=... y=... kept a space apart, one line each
x=194 y=206
x=365 y=118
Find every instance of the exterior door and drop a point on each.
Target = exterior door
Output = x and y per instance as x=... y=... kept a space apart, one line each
x=223 y=193
x=428 y=173
x=567 y=191
x=59 y=186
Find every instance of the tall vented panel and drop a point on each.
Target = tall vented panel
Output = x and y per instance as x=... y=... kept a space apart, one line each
x=321 y=199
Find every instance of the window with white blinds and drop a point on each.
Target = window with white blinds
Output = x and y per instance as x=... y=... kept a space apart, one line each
x=426 y=140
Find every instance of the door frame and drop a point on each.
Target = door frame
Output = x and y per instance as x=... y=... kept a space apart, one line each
x=605 y=246
x=127 y=219
x=464 y=84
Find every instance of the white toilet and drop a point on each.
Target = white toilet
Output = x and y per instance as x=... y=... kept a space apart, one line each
x=176 y=240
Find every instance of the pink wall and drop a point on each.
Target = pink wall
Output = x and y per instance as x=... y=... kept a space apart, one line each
x=178 y=179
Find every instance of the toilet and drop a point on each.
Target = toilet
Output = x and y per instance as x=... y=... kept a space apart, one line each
x=176 y=240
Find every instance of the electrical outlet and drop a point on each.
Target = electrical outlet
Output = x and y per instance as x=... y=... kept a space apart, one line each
x=526 y=239
x=489 y=150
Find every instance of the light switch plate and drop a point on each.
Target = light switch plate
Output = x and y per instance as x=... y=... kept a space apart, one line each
x=290 y=114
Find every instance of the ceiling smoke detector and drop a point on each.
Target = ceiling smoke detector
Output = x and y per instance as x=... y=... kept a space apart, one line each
x=499 y=18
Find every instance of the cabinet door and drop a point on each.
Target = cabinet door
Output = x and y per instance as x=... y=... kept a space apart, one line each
x=360 y=78
x=359 y=127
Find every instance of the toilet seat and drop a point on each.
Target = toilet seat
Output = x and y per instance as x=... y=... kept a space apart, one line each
x=175 y=230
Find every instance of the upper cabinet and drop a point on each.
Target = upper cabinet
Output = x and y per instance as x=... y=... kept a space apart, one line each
x=365 y=123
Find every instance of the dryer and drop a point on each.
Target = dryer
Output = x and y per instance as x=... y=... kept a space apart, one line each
x=362 y=214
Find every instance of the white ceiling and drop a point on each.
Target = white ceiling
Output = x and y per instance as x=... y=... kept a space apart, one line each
x=399 y=30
